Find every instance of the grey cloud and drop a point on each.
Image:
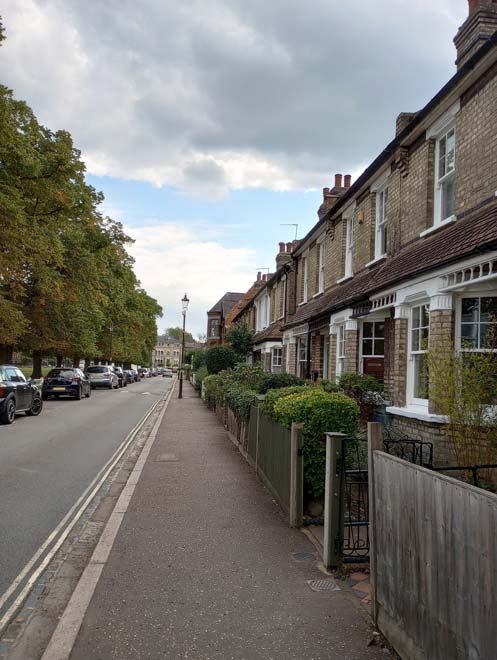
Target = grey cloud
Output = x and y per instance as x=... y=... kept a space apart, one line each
x=167 y=86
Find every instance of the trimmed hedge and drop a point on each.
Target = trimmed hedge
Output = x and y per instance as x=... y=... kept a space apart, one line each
x=275 y=381
x=219 y=358
x=267 y=406
x=240 y=400
x=200 y=374
x=319 y=412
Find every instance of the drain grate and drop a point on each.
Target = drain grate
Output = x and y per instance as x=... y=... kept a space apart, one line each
x=323 y=585
x=303 y=556
x=166 y=458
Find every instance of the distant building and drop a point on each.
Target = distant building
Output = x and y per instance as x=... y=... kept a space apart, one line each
x=167 y=352
x=216 y=318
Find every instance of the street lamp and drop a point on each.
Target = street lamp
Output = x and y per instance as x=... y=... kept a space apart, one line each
x=184 y=307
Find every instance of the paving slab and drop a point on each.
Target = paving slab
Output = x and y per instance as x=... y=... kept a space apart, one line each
x=203 y=566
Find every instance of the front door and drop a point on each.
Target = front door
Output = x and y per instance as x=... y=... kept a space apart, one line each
x=373 y=349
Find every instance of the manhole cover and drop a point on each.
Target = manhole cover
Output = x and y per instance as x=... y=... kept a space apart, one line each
x=323 y=585
x=167 y=458
x=303 y=556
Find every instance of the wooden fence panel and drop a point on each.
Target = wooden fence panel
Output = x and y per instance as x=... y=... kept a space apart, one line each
x=435 y=558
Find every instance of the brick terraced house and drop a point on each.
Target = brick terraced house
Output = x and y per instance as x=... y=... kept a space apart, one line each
x=403 y=258
x=216 y=318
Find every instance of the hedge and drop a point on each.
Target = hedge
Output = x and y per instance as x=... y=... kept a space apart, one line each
x=267 y=406
x=200 y=374
x=319 y=412
x=218 y=358
x=270 y=381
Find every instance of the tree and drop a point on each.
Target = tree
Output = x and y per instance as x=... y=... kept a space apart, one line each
x=177 y=333
x=239 y=337
x=219 y=358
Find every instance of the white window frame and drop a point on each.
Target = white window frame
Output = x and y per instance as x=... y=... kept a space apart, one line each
x=340 y=360
x=305 y=275
x=442 y=180
x=412 y=400
x=349 y=246
x=302 y=364
x=471 y=294
x=277 y=356
x=381 y=223
x=321 y=255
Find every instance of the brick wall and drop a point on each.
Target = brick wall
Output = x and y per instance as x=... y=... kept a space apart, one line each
x=351 y=350
x=400 y=362
x=332 y=374
x=364 y=232
x=317 y=342
x=443 y=453
x=442 y=324
x=389 y=360
x=292 y=358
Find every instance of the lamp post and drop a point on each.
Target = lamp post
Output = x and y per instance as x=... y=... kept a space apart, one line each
x=184 y=307
x=111 y=329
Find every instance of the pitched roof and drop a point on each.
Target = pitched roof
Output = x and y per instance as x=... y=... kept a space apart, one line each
x=476 y=234
x=243 y=302
x=226 y=303
x=272 y=333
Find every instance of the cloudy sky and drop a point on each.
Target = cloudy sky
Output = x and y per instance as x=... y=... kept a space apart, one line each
x=209 y=124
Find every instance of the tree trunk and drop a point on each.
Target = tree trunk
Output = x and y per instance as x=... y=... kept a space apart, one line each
x=6 y=353
x=36 y=364
x=59 y=360
x=75 y=362
x=87 y=363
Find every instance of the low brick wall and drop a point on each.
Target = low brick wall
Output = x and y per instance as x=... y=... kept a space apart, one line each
x=415 y=429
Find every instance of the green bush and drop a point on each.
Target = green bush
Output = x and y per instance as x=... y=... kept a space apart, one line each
x=248 y=375
x=214 y=387
x=364 y=390
x=276 y=381
x=198 y=359
x=267 y=406
x=319 y=412
x=200 y=374
x=329 y=386
x=219 y=358
x=240 y=399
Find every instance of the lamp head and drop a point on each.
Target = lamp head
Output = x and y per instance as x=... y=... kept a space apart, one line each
x=184 y=303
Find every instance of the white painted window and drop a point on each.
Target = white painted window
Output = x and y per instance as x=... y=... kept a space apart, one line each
x=340 y=350
x=418 y=346
x=305 y=274
x=349 y=246
x=380 y=245
x=320 y=267
x=478 y=323
x=302 y=357
x=326 y=357
x=277 y=354
x=445 y=174
x=373 y=339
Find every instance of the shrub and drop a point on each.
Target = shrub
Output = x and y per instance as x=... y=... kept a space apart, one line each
x=267 y=406
x=276 y=381
x=329 y=386
x=200 y=374
x=198 y=359
x=248 y=375
x=214 y=387
x=239 y=337
x=219 y=358
x=365 y=390
x=319 y=412
x=240 y=399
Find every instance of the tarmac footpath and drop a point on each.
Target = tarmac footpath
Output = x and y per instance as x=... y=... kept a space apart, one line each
x=203 y=565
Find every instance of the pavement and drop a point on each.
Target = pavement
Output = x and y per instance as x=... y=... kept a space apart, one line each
x=204 y=566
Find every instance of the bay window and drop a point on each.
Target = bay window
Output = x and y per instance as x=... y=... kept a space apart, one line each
x=418 y=348
x=478 y=323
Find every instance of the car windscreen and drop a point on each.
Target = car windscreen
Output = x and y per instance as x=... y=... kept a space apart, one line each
x=63 y=373
x=97 y=370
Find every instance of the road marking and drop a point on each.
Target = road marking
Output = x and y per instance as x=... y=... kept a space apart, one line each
x=64 y=527
x=64 y=636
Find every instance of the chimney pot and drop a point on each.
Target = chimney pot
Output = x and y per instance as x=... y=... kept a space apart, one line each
x=347 y=181
x=259 y=276
x=338 y=180
x=282 y=247
x=326 y=192
x=289 y=247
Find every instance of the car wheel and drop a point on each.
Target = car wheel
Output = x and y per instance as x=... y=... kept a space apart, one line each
x=36 y=406
x=79 y=394
x=9 y=412
x=111 y=385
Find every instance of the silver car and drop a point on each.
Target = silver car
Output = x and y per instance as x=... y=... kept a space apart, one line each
x=102 y=376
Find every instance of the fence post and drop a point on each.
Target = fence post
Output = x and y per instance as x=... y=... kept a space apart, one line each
x=296 y=475
x=332 y=499
x=375 y=443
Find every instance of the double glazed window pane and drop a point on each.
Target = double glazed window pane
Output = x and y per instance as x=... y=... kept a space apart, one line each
x=446 y=163
x=420 y=376
x=448 y=197
x=479 y=323
x=373 y=343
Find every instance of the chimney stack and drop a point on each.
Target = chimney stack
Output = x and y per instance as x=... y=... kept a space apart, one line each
x=478 y=28
x=338 y=180
x=289 y=247
x=347 y=181
x=283 y=257
x=259 y=276
x=282 y=247
x=326 y=192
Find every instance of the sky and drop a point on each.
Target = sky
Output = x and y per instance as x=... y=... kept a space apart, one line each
x=211 y=126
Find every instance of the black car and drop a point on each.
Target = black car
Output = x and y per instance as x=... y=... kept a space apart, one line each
x=17 y=394
x=121 y=376
x=130 y=376
x=65 y=381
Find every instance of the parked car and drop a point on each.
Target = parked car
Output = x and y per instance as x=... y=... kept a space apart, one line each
x=130 y=376
x=102 y=376
x=121 y=376
x=17 y=394
x=144 y=372
x=136 y=375
x=65 y=381
x=168 y=373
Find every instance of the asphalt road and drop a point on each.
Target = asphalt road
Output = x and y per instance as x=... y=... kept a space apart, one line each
x=47 y=462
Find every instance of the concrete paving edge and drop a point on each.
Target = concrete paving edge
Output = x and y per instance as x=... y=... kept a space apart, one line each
x=64 y=636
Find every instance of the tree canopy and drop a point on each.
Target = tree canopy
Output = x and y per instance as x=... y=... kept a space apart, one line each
x=177 y=333
x=67 y=285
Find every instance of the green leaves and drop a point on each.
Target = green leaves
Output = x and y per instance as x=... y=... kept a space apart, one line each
x=239 y=337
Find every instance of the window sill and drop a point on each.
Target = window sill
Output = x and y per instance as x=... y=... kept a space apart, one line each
x=416 y=412
x=344 y=279
x=319 y=293
x=376 y=260
x=304 y=302
x=438 y=226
